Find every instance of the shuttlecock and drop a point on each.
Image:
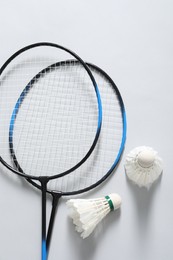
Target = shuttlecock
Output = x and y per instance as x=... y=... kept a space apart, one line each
x=143 y=166
x=86 y=214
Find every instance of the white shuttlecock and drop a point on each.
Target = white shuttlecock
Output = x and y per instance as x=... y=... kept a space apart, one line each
x=143 y=166
x=86 y=214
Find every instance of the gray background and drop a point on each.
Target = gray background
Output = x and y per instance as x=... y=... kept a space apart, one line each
x=132 y=40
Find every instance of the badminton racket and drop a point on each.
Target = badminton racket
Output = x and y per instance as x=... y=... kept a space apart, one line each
x=54 y=122
x=107 y=153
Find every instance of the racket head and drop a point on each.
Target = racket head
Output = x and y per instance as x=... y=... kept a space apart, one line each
x=109 y=148
x=40 y=110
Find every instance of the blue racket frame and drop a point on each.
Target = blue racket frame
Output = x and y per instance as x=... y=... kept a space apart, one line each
x=57 y=195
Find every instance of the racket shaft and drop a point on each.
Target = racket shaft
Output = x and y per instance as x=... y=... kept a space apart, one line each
x=43 y=188
x=56 y=197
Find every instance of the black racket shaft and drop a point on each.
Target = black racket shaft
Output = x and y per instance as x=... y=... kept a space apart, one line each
x=43 y=181
x=55 y=200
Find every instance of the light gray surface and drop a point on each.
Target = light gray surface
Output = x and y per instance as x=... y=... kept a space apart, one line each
x=131 y=40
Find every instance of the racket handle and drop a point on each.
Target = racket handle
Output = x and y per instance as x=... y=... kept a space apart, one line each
x=43 y=181
x=56 y=196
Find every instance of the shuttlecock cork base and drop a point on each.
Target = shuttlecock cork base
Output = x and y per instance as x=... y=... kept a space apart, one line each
x=86 y=214
x=143 y=166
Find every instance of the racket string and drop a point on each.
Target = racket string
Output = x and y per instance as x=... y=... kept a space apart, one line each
x=107 y=147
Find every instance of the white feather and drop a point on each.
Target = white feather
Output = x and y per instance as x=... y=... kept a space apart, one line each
x=86 y=214
x=143 y=166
